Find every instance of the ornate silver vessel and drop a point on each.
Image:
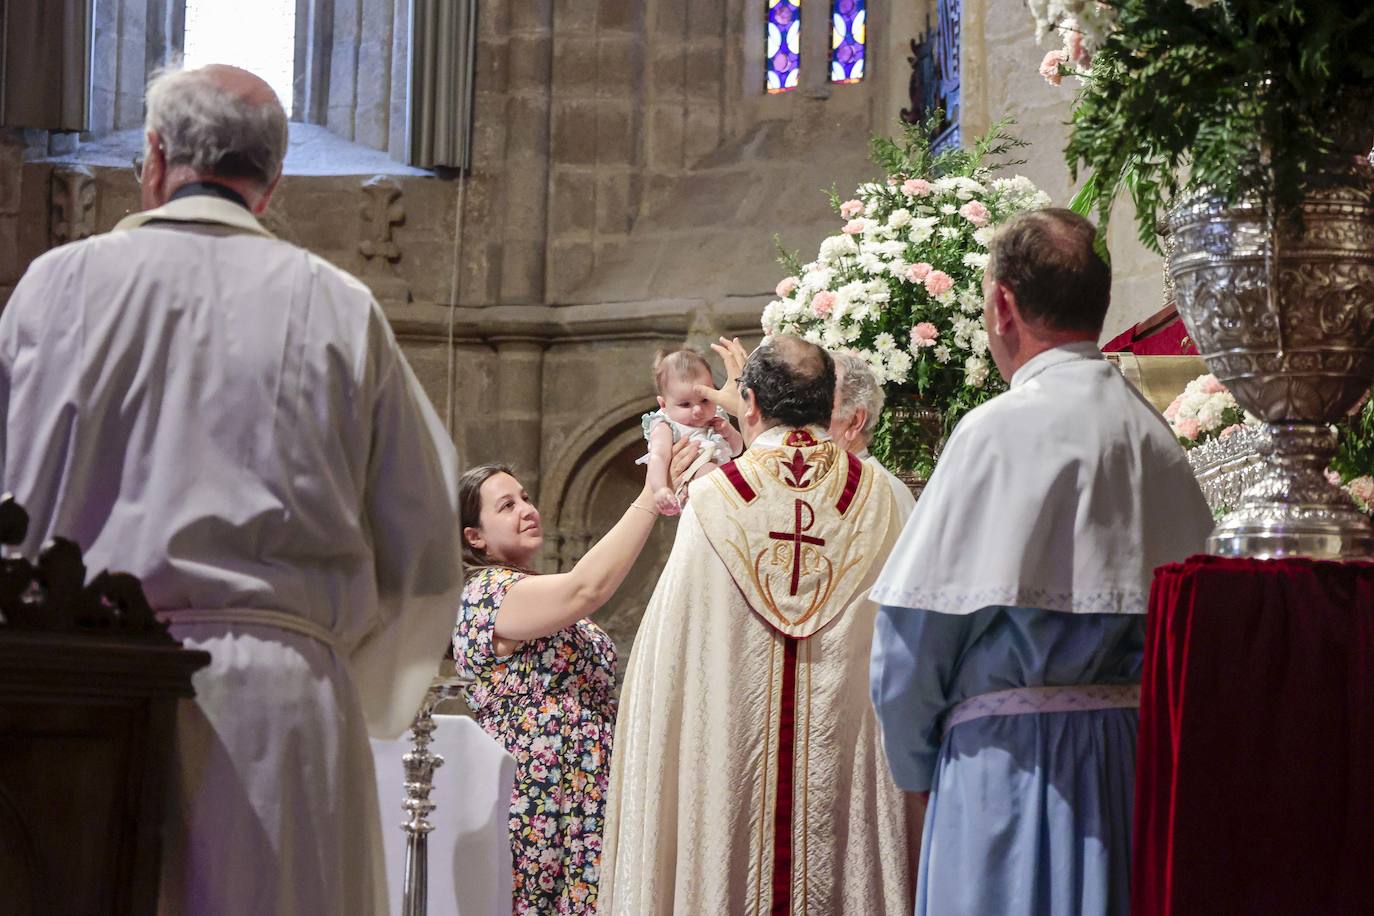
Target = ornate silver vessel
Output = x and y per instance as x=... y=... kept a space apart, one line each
x=1284 y=316
x=1225 y=468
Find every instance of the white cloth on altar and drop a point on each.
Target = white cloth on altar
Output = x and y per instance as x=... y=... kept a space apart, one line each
x=469 y=848
x=690 y=822
x=906 y=502
x=229 y=418
x=1064 y=493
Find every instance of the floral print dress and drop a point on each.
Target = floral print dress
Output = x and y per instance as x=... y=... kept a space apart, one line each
x=552 y=705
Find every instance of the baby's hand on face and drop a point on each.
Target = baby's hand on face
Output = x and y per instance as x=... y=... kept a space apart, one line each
x=666 y=501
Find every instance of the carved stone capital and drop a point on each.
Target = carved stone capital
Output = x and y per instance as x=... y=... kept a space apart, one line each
x=73 y=204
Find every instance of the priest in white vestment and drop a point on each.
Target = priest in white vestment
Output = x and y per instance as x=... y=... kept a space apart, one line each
x=858 y=405
x=1006 y=664
x=748 y=776
x=229 y=418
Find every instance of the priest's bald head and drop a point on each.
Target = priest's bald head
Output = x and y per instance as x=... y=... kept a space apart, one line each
x=1045 y=285
x=218 y=124
x=786 y=381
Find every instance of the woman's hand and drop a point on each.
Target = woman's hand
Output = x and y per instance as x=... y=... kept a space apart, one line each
x=733 y=354
x=684 y=453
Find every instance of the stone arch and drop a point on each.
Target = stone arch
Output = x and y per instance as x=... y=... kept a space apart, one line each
x=588 y=490
x=569 y=487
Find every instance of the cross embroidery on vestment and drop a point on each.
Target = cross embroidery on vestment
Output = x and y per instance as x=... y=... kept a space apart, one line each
x=798 y=537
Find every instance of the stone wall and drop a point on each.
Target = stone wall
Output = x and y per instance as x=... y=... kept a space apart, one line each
x=1000 y=63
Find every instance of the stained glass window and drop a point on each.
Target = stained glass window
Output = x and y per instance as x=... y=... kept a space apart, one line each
x=848 y=34
x=784 y=44
x=257 y=35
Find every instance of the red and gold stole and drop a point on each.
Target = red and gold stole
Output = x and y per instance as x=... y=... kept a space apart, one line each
x=798 y=526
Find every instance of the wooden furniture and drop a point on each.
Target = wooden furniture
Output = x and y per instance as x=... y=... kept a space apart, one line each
x=89 y=682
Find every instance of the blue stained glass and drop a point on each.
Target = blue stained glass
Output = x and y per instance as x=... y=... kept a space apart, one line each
x=848 y=39
x=784 y=45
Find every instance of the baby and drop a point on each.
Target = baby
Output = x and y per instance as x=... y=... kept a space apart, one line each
x=683 y=412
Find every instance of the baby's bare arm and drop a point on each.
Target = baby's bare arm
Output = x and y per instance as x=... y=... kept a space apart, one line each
x=660 y=456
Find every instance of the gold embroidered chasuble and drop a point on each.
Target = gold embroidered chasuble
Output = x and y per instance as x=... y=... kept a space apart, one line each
x=747 y=775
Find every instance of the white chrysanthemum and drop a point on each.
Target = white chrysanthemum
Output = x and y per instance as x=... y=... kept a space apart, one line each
x=948 y=232
x=976 y=371
x=1209 y=413
x=897 y=269
x=817 y=279
x=942 y=353
x=978 y=341
x=871 y=263
x=978 y=260
x=971 y=300
x=770 y=317
x=884 y=343
x=949 y=209
x=837 y=247
x=899 y=365
x=899 y=218
x=984 y=235
x=891 y=249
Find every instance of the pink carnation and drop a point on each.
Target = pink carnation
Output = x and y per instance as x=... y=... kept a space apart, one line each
x=917 y=272
x=851 y=208
x=1210 y=385
x=1230 y=431
x=1172 y=410
x=822 y=303
x=1362 y=488
x=1333 y=478
x=854 y=227
x=938 y=282
x=924 y=335
x=916 y=187
x=1073 y=46
x=1049 y=67
x=1188 y=428
x=786 y=287
x=975 y=213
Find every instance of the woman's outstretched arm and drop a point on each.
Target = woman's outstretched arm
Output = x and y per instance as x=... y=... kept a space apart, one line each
x=542 y=605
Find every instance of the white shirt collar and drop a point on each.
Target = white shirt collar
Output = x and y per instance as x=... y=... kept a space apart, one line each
x=197 y=209
x=1055 y=356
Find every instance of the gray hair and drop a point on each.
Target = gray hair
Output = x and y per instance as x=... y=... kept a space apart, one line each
x=856 y=386
x=213 y=130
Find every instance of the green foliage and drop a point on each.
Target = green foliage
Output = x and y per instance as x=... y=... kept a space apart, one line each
x=1240 y=97
x=1355 y=451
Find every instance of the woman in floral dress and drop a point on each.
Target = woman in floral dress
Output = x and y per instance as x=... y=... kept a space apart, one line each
x=545 y=680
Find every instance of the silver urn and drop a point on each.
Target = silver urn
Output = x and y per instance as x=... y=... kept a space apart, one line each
x=1284 y=316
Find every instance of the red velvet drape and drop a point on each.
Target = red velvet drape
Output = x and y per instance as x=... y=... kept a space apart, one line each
x=1255 y=770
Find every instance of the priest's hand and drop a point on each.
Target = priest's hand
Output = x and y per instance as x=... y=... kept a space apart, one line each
x=733 y=354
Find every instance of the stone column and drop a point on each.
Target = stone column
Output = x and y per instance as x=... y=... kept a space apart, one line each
x=527 y=151
x=519 y=400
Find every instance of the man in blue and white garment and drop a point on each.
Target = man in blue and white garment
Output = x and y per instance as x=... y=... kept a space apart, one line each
x=1008 y=649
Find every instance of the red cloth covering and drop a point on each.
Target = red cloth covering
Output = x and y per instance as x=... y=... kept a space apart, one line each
x=1162 y=334
x=1255 y=771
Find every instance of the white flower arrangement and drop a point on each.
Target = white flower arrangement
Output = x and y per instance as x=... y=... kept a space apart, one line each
x=901 y=283
x=1206 y=410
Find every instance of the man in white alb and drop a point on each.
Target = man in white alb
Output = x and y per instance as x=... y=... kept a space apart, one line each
x=858 y=405
x=1007 y=653
x=229 y=418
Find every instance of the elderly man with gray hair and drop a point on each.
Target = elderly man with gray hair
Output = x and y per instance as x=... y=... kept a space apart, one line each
x=230 y=418
x=858 y=405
